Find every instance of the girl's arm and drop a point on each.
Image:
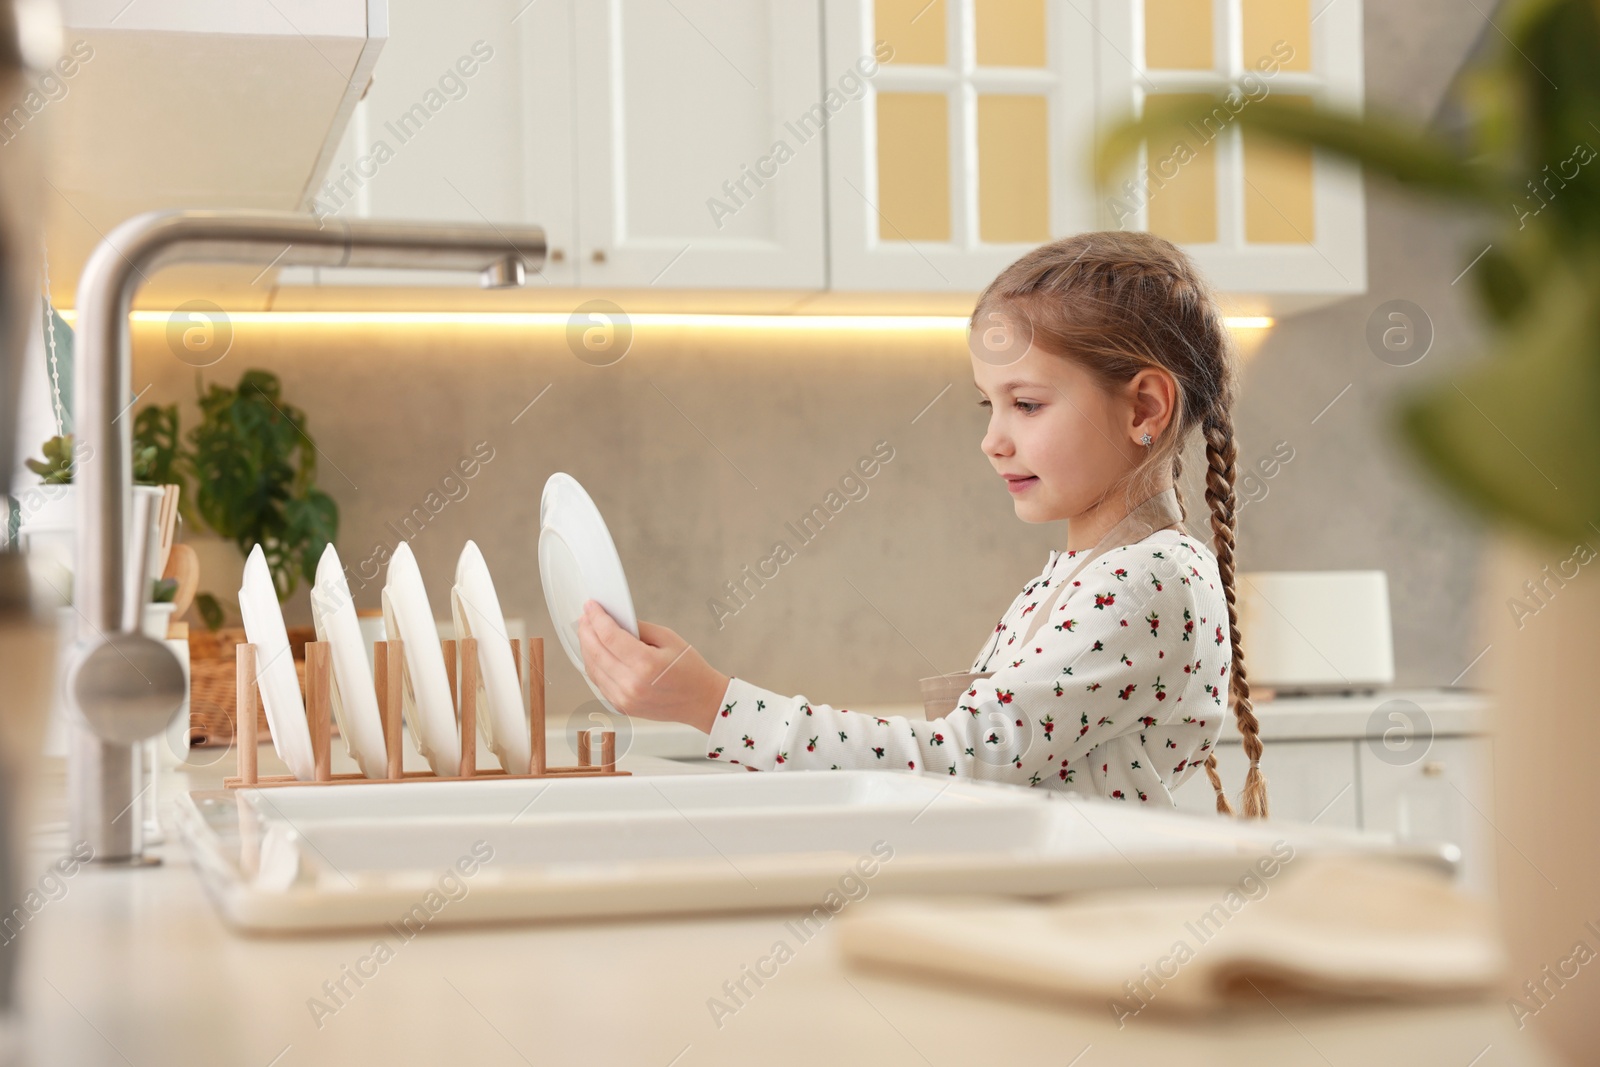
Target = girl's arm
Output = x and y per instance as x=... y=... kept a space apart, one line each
x=1111 y=664
x=1099 y=671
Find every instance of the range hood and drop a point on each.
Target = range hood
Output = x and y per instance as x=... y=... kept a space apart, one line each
x=193 y=104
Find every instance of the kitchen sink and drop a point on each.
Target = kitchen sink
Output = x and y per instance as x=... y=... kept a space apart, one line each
x=315 y=857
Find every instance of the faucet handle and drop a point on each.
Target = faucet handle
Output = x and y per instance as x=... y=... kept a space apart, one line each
x=127 y=686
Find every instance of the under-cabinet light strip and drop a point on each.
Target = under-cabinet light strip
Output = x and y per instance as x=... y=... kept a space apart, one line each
x=663 y=319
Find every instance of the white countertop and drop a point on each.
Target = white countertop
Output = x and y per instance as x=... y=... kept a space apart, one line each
x=133 y=966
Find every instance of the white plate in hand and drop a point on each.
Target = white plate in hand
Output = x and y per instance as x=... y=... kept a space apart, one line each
x=578 y=561
x=428 y=707
x=501 y=717
x=275 y=675
x=354 y=700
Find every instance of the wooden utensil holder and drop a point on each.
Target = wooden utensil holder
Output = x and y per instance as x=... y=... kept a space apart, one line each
x=389 y=667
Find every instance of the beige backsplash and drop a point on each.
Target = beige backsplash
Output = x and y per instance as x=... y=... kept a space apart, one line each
x=702 y=449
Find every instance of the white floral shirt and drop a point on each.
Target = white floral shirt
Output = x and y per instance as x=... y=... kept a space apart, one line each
x=1121 y=691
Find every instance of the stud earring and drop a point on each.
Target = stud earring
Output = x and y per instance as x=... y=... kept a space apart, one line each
x=1146 y=440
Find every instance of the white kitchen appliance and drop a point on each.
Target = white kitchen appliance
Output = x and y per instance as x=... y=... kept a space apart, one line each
x=1316 y=631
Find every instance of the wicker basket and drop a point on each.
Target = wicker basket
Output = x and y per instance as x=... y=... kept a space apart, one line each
x=213 y=704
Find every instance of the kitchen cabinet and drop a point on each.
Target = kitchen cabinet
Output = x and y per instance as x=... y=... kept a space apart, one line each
x=699 y=149
x=1444 y=795
x=468 y=119
x=975 y=141
x=1308 y=781
x=863 y=145
x=190 y=105
x=1337 y=760
x=664 y=145
x=971 y=145
x=1287 y=224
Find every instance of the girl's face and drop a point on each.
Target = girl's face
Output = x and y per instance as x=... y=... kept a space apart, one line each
x=1058 y=439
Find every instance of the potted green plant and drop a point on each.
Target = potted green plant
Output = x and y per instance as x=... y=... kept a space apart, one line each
x=253 y=468
x=49 y=515
x=247 y=472
x=1516 y=436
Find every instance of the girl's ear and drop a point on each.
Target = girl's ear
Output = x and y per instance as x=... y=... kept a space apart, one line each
x=1153 y=395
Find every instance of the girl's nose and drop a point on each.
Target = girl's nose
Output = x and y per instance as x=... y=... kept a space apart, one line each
x=995 y=443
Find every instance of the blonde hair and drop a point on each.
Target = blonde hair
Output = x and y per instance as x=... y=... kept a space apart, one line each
x=1117 y=302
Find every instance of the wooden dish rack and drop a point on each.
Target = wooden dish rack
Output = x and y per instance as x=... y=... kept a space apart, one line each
x=389 y=664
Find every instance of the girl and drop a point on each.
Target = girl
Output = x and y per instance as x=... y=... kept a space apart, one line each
x=1113 y=670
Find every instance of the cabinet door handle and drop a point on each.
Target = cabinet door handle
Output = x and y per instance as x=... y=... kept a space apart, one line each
x=1433 y=769
x=598 y=255
x=558 y=255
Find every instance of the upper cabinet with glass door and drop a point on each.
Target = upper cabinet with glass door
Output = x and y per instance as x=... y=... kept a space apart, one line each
x=971 y=144
x=974 y=141
x=1285 y=224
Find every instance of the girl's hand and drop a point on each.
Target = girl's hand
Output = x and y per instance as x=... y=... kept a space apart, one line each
x=657 y=675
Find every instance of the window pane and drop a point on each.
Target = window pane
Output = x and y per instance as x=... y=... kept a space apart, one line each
x=1010 y=33
x=1275 y=29
x=1013 y=168
x=1279 y=207
x=913 y=28
x=1177 y=35
x=1182 y=179
x=913 y=167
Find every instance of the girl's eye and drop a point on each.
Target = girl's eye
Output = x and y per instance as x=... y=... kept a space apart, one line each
x=984 y=402
x=1027 y=407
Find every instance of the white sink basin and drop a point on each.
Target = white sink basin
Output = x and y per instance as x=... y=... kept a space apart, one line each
x=308 y=857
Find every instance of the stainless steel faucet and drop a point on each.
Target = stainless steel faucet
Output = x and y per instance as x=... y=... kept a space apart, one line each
x=125 y=685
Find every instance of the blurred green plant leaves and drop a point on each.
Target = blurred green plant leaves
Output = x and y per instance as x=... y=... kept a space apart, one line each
x=1517 y=435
